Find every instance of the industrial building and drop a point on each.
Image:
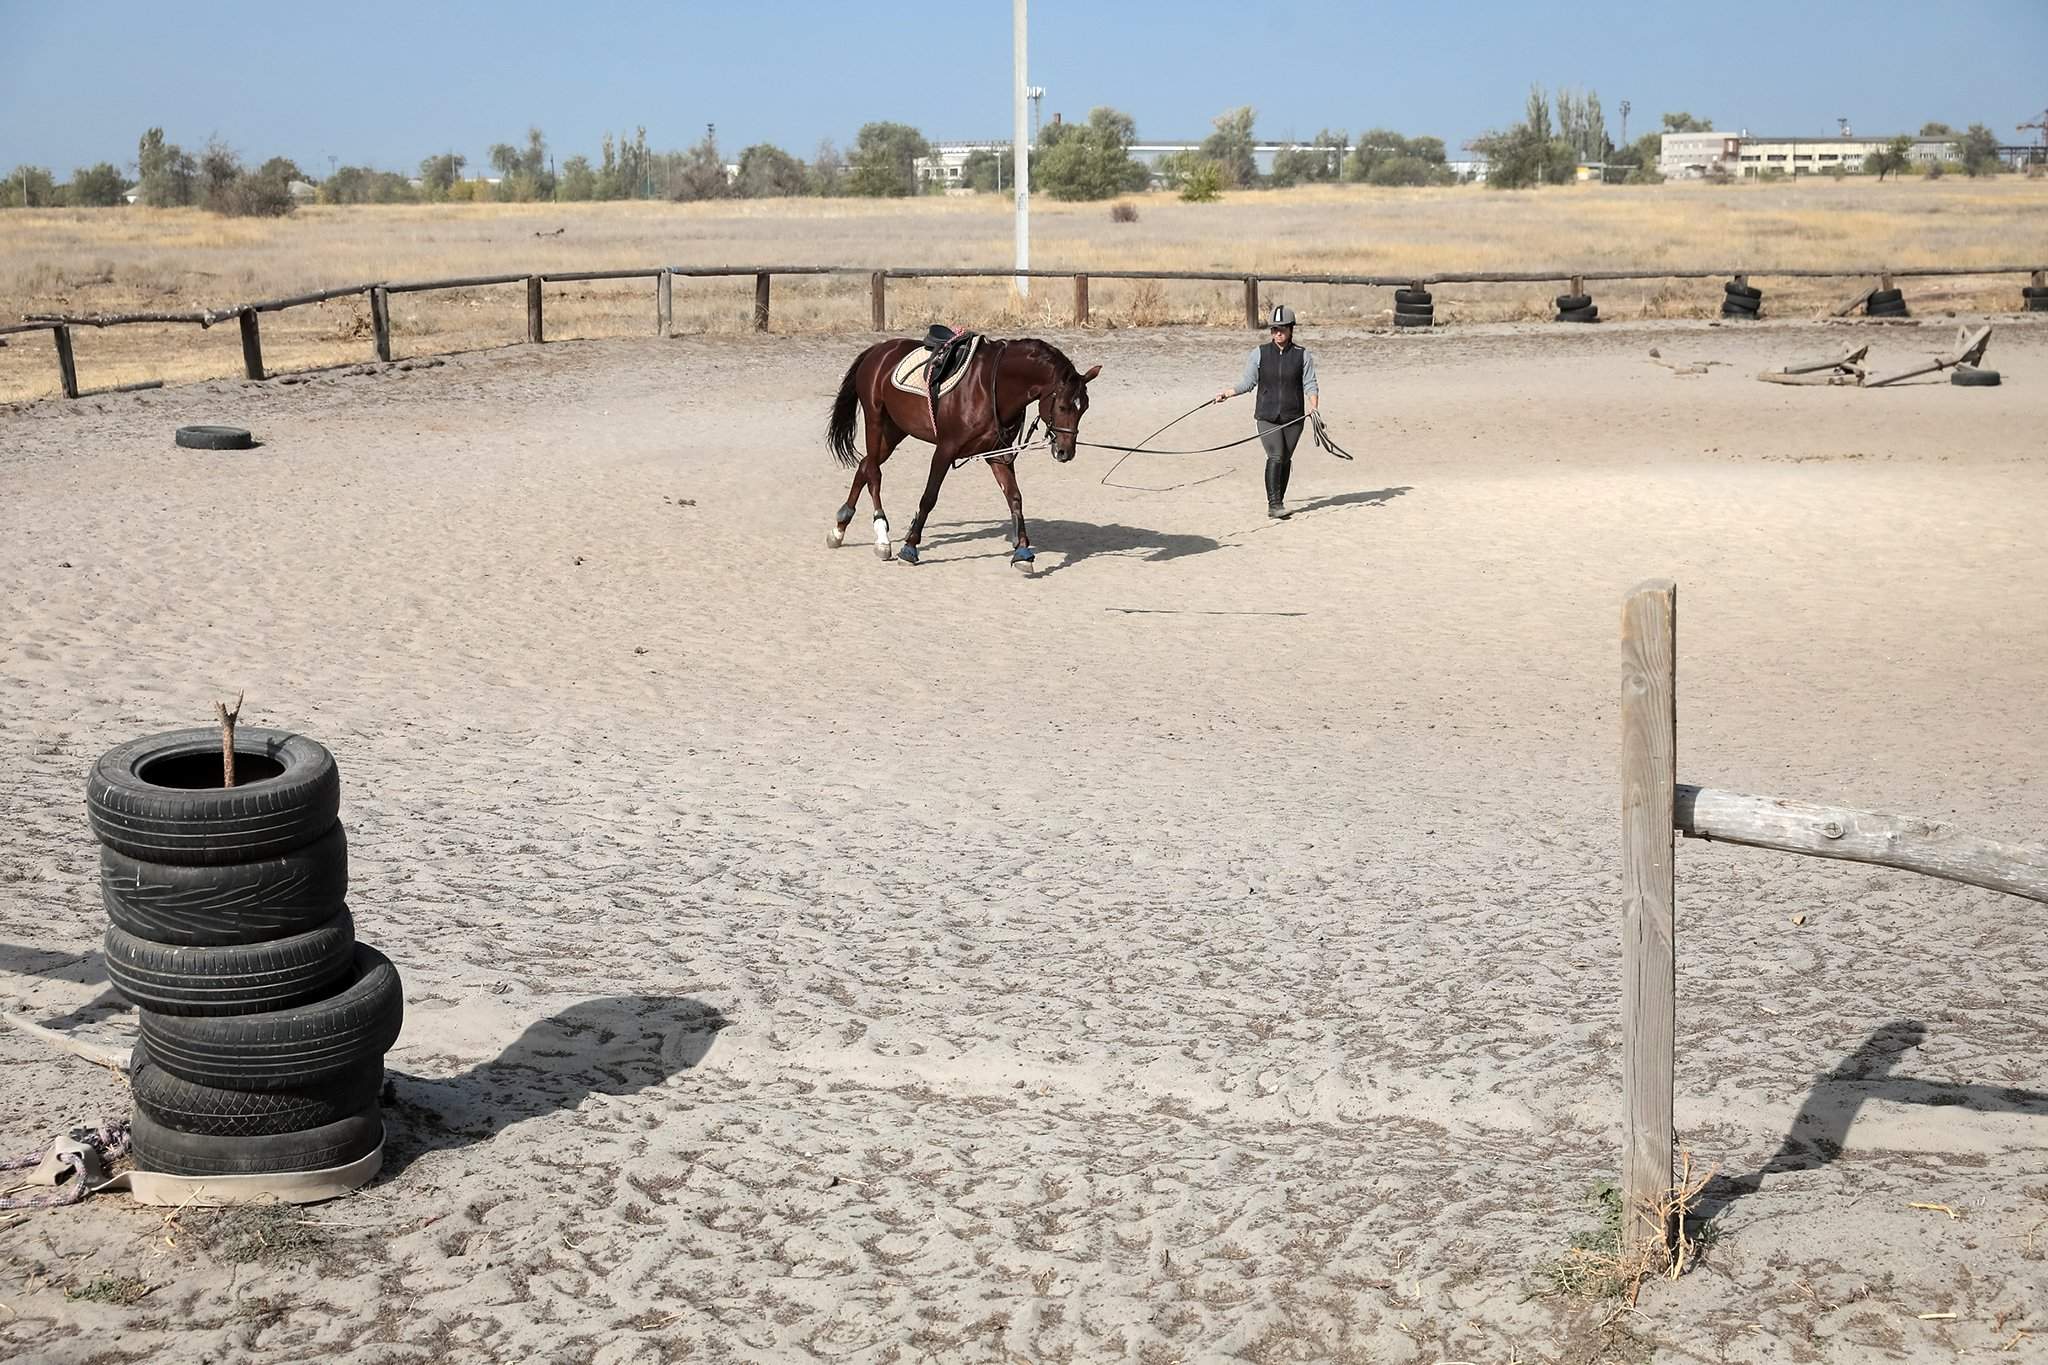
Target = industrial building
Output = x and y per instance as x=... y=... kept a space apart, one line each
x=1695 y=156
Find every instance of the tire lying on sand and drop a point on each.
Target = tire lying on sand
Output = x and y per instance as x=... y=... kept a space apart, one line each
x=1414 y=319
x=1741 y=291
x=160 y=798
x=1973 y=377
x=1413 y=296
x=288 y=1049
x=1590 y=313
x=1571 y=303
x=167 y=1151
x=215 y=438
x=212 y=907
x=245 y=978
x=211 y=1111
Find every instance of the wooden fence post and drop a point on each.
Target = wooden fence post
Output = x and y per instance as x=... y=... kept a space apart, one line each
x=878 y=301
x=761 y=302
x=1578 y=284
x=664 y=304
x=1251 y=300
x=1080 y=300
x=1649 y=972
x=1742 y=281
x=1884 y=279
x=2041 y=279
x=252 y=344
x=535 y=330
x=67 y=363
x=380 y=321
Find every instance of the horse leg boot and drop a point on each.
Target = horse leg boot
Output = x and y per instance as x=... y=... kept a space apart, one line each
x=871 y=472
x=1020 y=540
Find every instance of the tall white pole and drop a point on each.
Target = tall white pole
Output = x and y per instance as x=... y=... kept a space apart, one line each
x=1023 y=149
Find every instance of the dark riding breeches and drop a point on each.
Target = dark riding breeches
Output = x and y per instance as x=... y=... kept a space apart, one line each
x=1279 y=442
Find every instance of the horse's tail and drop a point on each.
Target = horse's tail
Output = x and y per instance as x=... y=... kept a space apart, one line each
x=839 y=434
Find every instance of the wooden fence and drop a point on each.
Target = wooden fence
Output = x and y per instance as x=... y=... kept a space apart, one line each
x=248 y=315
x=1653 y=805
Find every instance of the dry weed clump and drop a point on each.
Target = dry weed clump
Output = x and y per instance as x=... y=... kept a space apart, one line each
x=1598 y=1266
x=1123 y=211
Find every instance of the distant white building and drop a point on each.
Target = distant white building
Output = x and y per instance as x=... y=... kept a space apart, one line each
x=1693 y=156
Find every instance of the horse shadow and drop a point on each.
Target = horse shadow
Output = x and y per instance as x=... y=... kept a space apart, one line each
x=612 y=1045
x=1820 y=1129
x=1079 y=540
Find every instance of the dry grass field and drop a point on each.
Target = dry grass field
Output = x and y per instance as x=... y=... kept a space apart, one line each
x=95 y=261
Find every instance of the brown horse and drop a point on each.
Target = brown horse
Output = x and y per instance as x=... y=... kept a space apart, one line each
x=983 y=412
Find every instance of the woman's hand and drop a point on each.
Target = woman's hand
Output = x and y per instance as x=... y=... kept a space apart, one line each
x=1223 y=396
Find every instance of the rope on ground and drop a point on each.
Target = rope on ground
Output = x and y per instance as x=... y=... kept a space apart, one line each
x=73 y=1163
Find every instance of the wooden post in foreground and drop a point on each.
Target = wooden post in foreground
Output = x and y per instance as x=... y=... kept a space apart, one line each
x=380 y=321
x=67 y=363
x=536 y=331
x=1080 y=300
x=878 y=301
x=1649 y=971
x=252 y=344
x=1251 y=300
x=761 y=302
x=664 y=304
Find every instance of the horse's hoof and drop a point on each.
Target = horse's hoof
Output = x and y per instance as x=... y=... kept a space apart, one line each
x=908 y=554
x=1022 y=556
x=884 y=550
x=835 y=537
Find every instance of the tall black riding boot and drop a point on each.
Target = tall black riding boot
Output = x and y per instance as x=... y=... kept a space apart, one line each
x=1276 y=487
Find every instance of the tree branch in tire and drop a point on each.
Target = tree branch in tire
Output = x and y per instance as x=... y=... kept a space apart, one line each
x=227 y=738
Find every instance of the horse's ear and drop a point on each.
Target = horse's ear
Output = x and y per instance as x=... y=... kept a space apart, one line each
x=1093 y=370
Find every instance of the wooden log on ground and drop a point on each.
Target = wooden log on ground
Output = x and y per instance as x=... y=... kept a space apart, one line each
x=1853 y=304
x=1251 y=301
x=1969 y=351
x=1930 y=847
x=761 y=301
x=1649 y=974
x=67 y=363
x=878 y=301
x=536 y=330
x=380 y=322
x=252 y=345
x=115 y=1058
x=664 y=304
x=1080 y=300
x=1846 y=358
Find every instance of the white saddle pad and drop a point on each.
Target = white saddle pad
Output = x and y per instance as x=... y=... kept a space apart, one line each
x=909 y=372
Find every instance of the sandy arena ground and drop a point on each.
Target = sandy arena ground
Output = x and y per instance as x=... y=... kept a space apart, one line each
x=1205 y=950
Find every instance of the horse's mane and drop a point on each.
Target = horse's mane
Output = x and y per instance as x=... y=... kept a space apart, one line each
x=1063 y=368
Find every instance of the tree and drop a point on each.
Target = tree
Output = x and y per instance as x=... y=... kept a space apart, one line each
x=982 y=171
x=1420 y=160
x=828 y=170
x=438 y=174
x=29 y=187
x=578 y=182
x=523 y=173
x=167 y=172
x=768 y=172
x=1321 y=160
x=1980 y=151
x=885 y=160
x=219 y=169
x=698 y=173
x=1686 y=123
x=1230 y=146
x=1529 y=152
x=283 y=168
x=1089 y=160
x=1936 y=130
x=1893 y=160
x=100 y=186
x=1201 y=182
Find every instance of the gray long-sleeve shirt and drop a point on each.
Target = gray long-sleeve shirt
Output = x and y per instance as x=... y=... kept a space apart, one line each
x=1249 y=380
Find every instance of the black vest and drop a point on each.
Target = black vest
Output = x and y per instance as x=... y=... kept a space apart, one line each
x=1280 y=397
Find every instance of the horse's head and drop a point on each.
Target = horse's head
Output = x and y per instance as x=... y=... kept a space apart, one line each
x=1061 y=408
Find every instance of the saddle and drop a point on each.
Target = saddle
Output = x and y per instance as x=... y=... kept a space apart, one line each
x=936 y=369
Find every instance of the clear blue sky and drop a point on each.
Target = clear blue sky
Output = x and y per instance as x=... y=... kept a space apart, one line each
x=384 y=84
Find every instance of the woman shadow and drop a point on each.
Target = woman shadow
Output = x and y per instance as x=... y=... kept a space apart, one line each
x=1820 y=1130
x=613 y=1045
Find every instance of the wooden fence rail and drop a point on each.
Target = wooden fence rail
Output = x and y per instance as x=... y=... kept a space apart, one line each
x=1654 y=805
x=380 y=292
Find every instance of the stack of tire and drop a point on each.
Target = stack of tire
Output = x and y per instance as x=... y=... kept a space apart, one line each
x=1741 y=301
x=1414 y=308
x=1885 y=303
x=264 y=1023
x=1577 y=308
x=2036 y=297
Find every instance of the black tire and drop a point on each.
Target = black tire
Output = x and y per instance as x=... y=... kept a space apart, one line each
x=1880 y=298
x=249 y=978
x=1746 y=305
x=1590 y=313
x=213 y=907
x=2028 y=291
x=1414 y=320
x=286 y=1049
x=1742 y=291
x=1971 y=377
x=160 y=798
x=1421 y=296
x=169 y=1152
x=1890 y=310
x=215 y=438
x=1416 y=310
x=210 y=1111
x=1571 y=303
x=2037 y=305
x=1741 y=314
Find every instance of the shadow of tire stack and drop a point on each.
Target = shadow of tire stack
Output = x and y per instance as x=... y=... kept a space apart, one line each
x=264 y=1022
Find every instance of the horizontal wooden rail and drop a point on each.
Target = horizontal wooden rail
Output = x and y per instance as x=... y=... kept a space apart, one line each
x=301 y=300
x=471 y=282
x=1861 y=836
x=11 y=328
x=567 y=276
